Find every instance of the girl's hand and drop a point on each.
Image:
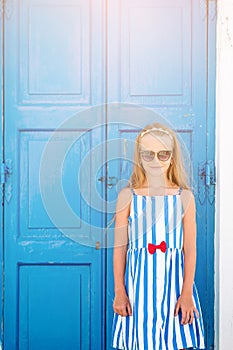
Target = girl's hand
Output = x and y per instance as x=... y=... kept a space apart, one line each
x=121 y=304
x=185 y=303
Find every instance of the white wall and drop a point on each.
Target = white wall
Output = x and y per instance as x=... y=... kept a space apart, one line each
x=224 y=187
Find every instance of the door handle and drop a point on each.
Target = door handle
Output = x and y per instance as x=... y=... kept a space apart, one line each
x=111 y=180
x=101 y=179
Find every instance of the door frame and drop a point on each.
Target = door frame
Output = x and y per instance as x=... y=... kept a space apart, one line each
x=2 y=8
x=224 y=167
x=210 y=155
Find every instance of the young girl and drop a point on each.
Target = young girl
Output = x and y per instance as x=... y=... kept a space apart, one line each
x=156 y=305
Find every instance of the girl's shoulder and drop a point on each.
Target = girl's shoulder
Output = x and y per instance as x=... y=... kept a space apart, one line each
x=125 y=193
x=124 y=198
x=186 y=193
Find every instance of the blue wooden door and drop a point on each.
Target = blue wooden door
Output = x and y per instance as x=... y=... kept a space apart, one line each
x=53 y=267
x=67 y=154
x=161 y=68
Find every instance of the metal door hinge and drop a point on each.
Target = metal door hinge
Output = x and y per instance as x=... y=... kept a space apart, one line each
x=6 y=8
x=206 y=181
x=212 y=9
x=6 y=171
x=208 y=7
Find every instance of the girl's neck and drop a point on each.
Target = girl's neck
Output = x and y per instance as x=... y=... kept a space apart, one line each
x=158 y=182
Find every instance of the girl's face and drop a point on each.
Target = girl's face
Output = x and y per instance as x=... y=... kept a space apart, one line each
x=155 y=166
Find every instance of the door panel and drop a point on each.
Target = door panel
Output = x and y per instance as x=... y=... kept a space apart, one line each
x=146 y=28
x=44 y=300
x=53 y=272
x=56 y=70
x=157 y=72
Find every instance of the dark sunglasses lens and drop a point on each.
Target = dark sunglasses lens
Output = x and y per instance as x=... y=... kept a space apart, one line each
x=148 y=156
x=164 y=155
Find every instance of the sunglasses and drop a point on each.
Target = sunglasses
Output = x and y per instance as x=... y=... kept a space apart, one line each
x=148 y=156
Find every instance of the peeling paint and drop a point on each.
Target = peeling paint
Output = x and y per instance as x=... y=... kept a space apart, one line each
x=228 y=34
x=227 y=28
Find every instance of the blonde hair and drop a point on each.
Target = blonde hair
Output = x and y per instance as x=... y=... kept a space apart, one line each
x=176 y=172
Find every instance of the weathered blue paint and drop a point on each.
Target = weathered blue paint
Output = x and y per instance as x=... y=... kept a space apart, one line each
x=54 y=276
x=1 y=160
x=156 y=65
x=162 y=67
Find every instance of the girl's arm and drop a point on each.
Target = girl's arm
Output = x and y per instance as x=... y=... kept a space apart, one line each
x=185 y=301
x=121 y=303
x=189 y=246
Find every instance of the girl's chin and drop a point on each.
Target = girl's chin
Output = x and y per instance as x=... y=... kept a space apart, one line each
x=158 y=171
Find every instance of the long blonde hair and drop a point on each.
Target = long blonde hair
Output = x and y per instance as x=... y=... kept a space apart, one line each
x=176 y=173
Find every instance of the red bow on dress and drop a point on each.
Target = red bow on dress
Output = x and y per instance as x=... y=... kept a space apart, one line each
x=152 y=247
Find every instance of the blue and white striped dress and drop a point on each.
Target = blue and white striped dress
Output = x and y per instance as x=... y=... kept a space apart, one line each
x=154 y=281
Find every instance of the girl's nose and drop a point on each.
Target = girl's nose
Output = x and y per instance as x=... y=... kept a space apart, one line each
x=155 y=161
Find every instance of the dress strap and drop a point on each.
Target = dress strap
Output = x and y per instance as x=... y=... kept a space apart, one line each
x=182 y=204
x=132 y=190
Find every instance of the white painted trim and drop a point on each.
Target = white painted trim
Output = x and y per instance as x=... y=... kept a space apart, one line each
x=224 y=186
